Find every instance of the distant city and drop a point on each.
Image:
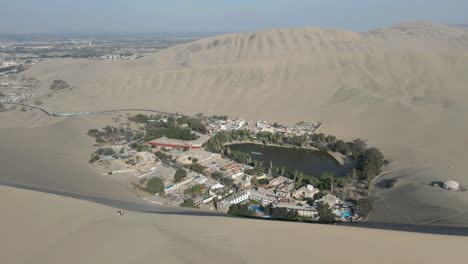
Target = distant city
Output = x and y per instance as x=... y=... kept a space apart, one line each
x=20 y=51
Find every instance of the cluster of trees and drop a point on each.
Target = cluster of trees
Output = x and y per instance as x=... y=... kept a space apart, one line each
x=281 y=213
x=179 y=175
x=325 y=213
x=58 y=85
x=163 y=156
x=155 y=186
x=329 y=181
x=219 y=176
x=110 y=134
x=140 y=118
x=105 y=151
x=180 y=128
x=101 y=152
x=369 y=164
x=219 y=117
x=217 y=142
x=240 y=210
x=180 y=133
x=197 y=168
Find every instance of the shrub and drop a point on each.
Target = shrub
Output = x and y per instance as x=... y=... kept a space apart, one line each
x=188 y=203
x=59 y=85
x=391 y=183
x=139 y=118
x=94 y=158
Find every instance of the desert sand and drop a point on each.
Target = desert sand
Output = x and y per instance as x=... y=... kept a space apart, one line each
x=401 y=88
x=44 y=228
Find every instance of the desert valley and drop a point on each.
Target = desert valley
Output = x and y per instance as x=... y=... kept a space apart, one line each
x=402 y=89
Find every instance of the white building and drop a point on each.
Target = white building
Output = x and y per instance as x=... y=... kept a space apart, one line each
x=237 y=198
x=247 y=195
x=329 y=199
x=305 y=192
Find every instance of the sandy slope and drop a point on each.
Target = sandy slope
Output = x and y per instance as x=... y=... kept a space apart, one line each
x=403 y=88
x=44 y=228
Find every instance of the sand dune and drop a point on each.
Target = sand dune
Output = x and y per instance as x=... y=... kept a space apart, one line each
x=43 y=228
x=403 y=88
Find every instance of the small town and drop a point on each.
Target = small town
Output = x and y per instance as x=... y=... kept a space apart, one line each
x=171 y=163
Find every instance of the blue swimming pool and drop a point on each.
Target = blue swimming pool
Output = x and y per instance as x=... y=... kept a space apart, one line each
x=256 y=209
x=346 y=214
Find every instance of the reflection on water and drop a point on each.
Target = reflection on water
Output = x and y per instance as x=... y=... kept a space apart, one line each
x=310 y=162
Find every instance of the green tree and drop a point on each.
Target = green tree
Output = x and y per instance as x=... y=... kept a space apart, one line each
x=328 y=181
x=179 y=175
x=155 y=186
x=283 y=213
x=240 y=209
x=325 y=213
x=319 y=195
x=197 y=168
x=370 y=163
x=197 y=125
x=139 y=118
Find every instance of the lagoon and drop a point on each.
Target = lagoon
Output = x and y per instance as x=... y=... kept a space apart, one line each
x=310 y=162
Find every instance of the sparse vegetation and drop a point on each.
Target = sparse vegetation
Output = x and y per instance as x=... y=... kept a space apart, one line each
x=59 y=85
x=188 y=203
x=390 y=183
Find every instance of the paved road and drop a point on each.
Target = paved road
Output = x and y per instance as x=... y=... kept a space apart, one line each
x=47 y=112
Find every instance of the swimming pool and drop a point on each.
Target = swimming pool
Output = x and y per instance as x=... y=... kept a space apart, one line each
x=346 y=214
x=256 y=209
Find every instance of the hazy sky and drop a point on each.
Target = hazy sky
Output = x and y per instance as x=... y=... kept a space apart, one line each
x=90 y=16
